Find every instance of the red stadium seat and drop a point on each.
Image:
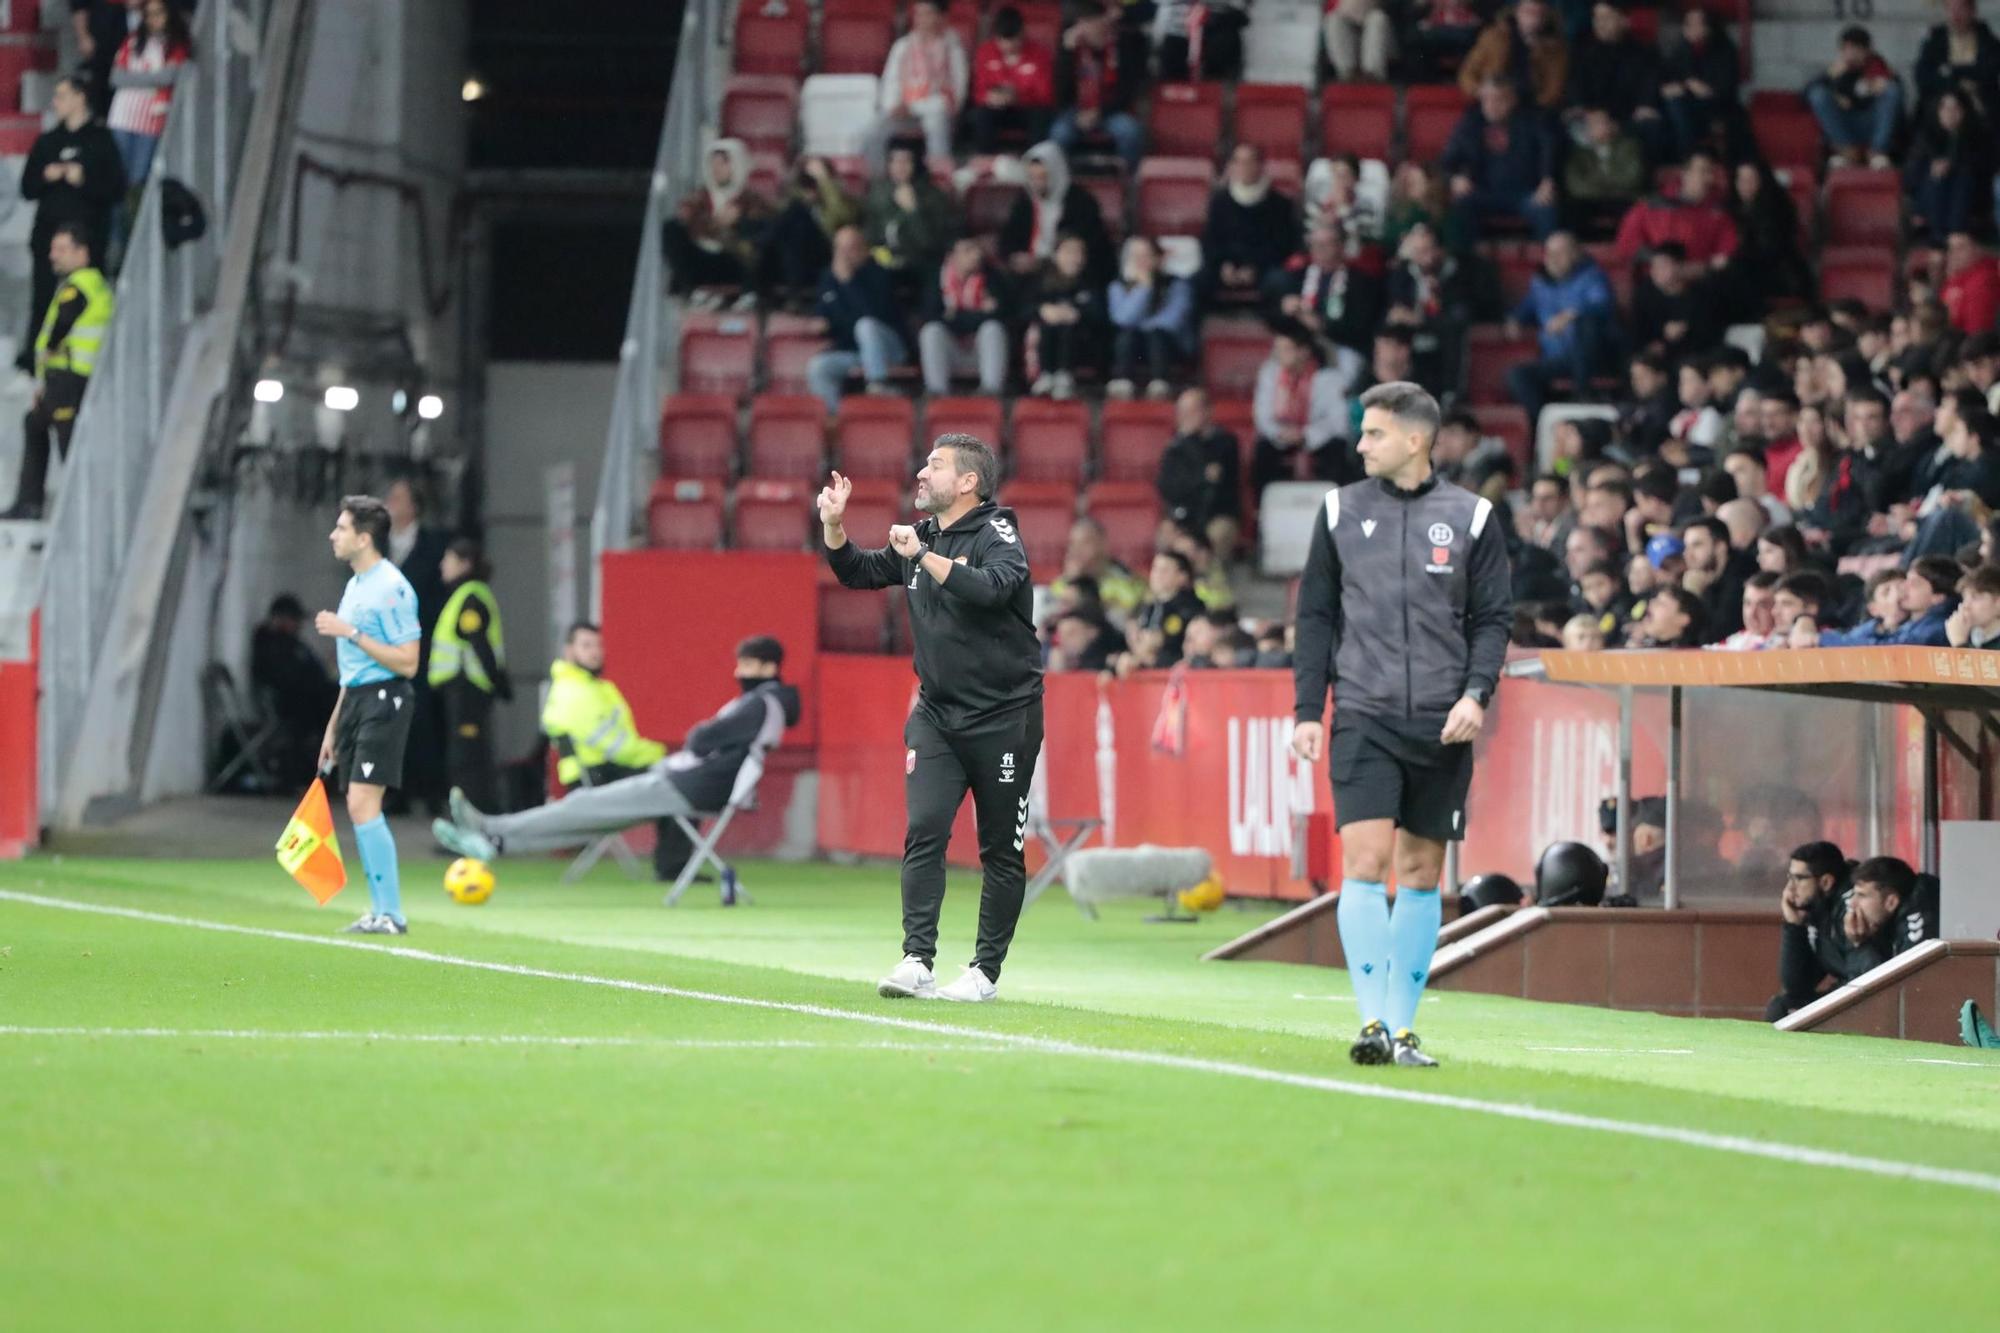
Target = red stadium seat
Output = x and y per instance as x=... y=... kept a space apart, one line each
x=1430 y=113
x=1109 y=192
x=851 y=620
x=1044 y=513
x=1863 y=274
x=1273 y=117
x=1509 y=424
x=873 y=507
x=698 y=435
x=1232 y=351
x=771 y=516
x=718 y=353
x=855 y=36
x=872 y=437
x=1130 y=515
x=18 y=134
x=964 y=20
x=761 y=110
x=1358 y=118
x=1864 y=207
x=1619 y=275
x=772 y=43
x=1185 y=120
x=1173 y=195
x=1041 y=23
x=1489 y=355
x=790 y=341
x=684 y=514
x=978 y=417
x=987 y=203
x=1133 y=437
x=1515 y=264
x=1051 y=440
x=787 y=438
x=1786 y=130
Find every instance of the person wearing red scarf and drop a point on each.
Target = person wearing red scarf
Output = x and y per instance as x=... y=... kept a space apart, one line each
x=964 y=322
x=923 y=86
x=1300 y=407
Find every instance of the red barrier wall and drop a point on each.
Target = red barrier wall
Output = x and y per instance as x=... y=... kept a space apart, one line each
x=672 y=620
x=19 y=817
x=865 y=700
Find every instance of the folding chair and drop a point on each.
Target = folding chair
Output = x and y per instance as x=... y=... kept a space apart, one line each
x=1059 y=837
x=233 y=718
x=612 y=844
x=742 y=796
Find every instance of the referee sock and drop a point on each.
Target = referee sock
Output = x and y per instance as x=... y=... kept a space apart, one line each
x=1413 y=937
x=1363 y=915
x=378 y=862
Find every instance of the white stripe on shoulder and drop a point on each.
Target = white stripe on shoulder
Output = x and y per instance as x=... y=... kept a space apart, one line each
x=1332 y=508
x=1481 y=511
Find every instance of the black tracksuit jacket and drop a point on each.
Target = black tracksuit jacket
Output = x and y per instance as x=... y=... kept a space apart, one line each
x=977 y=655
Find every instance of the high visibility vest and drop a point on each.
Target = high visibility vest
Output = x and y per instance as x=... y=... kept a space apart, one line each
x=451 y=652
x=591 y=713
x=78 y=353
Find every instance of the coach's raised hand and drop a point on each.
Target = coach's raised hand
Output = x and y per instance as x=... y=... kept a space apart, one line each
x=833 y=510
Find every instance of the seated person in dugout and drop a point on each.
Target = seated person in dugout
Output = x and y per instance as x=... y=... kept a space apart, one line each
x=1843 y=920
x=696 y=779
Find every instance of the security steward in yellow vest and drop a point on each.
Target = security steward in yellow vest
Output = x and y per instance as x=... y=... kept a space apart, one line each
x=66 y=351
x=468 y=670
x=590 y=725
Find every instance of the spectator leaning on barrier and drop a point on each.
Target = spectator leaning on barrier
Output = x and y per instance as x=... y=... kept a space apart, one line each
x=1811 y=945
x=1976 y=623
x=1796 y=608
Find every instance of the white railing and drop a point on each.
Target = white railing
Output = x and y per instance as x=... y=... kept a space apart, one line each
x=645 y=361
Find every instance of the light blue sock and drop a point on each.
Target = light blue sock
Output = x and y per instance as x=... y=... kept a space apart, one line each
x=1363 y=914
x=378 y=862
x=1413 y=938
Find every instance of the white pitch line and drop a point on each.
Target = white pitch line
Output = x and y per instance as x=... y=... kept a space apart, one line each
x=493 y=1039
x=1610 y=1050
x=1767 y=1150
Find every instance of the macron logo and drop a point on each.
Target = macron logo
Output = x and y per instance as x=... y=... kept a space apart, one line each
x=1368 y=527
x=367 y=770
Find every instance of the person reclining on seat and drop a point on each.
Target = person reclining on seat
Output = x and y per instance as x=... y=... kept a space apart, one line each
x=697 y=778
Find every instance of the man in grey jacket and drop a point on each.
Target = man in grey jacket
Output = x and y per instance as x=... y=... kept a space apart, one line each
x=1404 y=609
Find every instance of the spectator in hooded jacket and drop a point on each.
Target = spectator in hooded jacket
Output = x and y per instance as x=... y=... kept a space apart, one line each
x=1858 y=101
x=923 y=85
x=711 y=241
x=1569 y=304
x=909 y=220
x=1093 y=89
x=1152 y=318
x=1698 y=86
x=1948 y=169
x=1693 y=218
x=964 y=313
x=1501 y=161
x=1048 y=207
x=1013 y=84
x=1524 y=47
x=1251 y=229
x=1961 y=54
x=1300 y=406
x=1070 y=322
x=1610 y=68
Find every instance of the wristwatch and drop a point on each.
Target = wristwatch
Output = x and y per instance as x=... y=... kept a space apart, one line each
x=1480 y=695
x=923 y=549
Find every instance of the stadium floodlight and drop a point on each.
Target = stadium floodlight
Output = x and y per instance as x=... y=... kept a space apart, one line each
x=269 y=391
x=471 y=90
x=342 y=397
x=430 y=407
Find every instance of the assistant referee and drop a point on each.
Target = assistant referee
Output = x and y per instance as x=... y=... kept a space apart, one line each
x=1404 y=609
x=977 y=725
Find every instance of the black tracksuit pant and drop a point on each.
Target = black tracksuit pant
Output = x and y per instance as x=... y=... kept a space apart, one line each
x=995 y=762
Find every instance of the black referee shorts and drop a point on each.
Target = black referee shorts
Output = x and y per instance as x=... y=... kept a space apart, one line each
x=373 y=731
x=1399 y=770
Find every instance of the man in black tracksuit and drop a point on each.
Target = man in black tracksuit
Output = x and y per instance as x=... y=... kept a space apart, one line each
x=978 y=721
x=1843 y=921
x=1404 y=608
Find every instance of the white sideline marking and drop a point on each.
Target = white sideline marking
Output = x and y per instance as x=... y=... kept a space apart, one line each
x=1610 y=1050
x=493 y=1039
x=1795 y=1154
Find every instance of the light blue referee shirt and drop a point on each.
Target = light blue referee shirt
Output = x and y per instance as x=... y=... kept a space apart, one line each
x=382 y=605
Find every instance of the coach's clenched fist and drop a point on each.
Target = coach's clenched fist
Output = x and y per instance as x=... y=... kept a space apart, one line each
x=903 y=540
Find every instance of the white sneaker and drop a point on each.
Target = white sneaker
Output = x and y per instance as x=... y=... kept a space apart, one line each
x=972 y=987
x=362 y=925
x=1064 y=386
x=910 y=981
x=1119 y=389
x=1043 y=383
x=1159 y=391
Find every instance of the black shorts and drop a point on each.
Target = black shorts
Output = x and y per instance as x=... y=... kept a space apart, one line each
x=1399 y=770
x=373 y=731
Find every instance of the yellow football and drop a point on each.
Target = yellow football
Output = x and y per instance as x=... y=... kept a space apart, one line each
x=468 y=881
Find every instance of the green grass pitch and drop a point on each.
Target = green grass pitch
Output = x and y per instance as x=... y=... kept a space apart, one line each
x=222 y=1130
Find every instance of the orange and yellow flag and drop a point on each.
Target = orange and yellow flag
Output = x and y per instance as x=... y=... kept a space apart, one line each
x=309 y=852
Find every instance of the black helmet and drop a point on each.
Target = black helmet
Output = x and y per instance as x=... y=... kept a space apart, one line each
x=1569 y=875
x=1489 y=891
